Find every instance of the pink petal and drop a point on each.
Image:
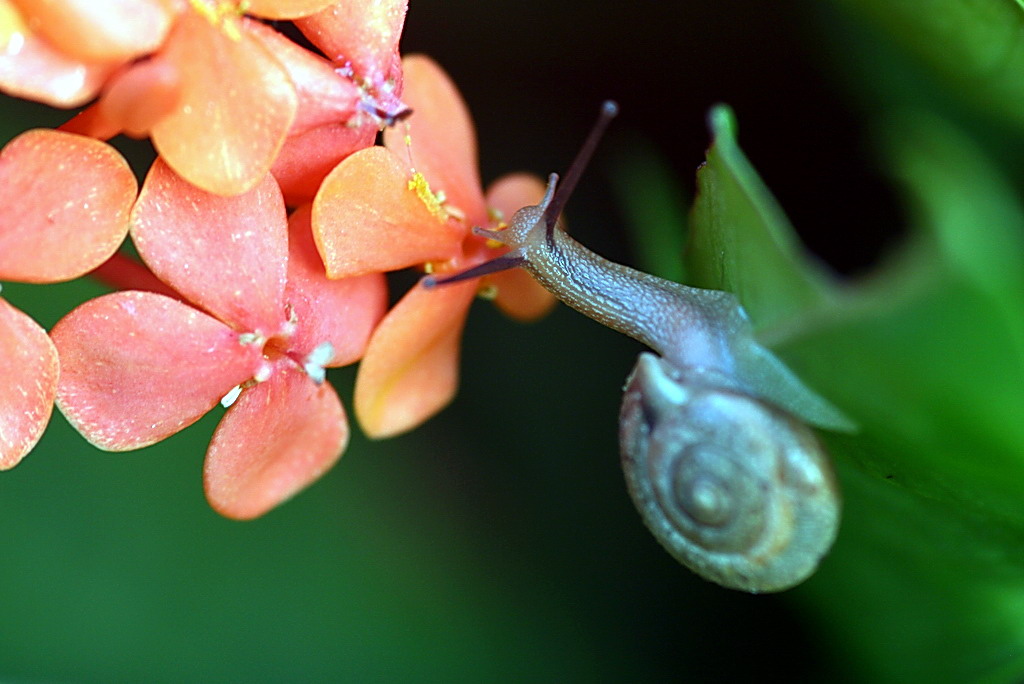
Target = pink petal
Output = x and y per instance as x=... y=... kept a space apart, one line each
x=32 y=68
x=305 y=160
x=229 y=255
x=140 y=96
x=123 y=272
x=443 y=141
x=237 y=104
x=411 y=367
x=137 y=367
x=28 y=366
x=343 y=312
x=279 y=437
x=64 y=202
x=362 y=34
x=325 y=96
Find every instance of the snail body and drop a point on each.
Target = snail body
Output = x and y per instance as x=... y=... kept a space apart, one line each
x=715 y=449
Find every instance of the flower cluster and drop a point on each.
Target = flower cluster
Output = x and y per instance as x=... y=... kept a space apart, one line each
x=264 y=228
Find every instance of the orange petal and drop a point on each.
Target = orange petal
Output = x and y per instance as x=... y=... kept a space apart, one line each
x=279 y=437
x=442 y=135
x=236 y=106
x=122 y=272
x=141 y=95
x=285 y=9
x=137 y=367
x=367 y=220
x=362 y=34
x=229 y=255
x=28 y=366
x=99 y=30
x=306 y=159
x=411 y=367
x=519 y=295
x=91 y=123
x=64 y=202
x=324 y=95
x=32 y=68
x=343 y=312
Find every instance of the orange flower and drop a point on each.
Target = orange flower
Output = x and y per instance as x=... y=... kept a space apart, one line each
x=220 y=94
x=415 y=204
x=140 y=366
x=49 y=232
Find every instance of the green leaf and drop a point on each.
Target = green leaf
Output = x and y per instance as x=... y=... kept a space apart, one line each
x=928 y=358
x=972 y=48
x=916 y=591
x=926 y=582
x=741 y=241
x=968 y=208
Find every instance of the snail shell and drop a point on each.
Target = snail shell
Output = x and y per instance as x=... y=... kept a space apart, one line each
x=738 y=491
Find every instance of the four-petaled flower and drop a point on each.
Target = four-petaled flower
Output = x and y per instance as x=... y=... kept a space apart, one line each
x=140 y=366
x=414 y=203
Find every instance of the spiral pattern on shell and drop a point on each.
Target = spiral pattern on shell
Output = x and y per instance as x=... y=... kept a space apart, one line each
x=737 y=490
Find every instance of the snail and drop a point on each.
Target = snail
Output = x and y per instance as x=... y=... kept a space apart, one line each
x=713 y=433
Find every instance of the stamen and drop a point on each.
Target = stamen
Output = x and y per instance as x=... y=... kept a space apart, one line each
x=253 y=338
x=263 y=373
x=418 y=184
x=224 y=15
x=232 y=396
x=315 y=361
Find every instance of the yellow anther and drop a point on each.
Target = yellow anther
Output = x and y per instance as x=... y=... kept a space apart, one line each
x=488 y=291
x=230 y=28
x=205 y=11
x=428 y=267
x=418 y=184
x=224 y=15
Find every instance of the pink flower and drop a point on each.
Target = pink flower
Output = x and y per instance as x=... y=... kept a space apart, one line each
x=260 y=316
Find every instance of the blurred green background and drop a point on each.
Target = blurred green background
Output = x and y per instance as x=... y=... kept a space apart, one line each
x=497 y=543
